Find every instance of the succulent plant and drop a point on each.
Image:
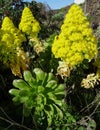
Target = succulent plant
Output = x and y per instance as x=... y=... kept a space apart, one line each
x=39 y=91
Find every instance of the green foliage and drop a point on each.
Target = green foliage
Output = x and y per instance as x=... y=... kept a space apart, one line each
x=41 y=93
x=58 y=16
x=46 y=58
x=67 y=123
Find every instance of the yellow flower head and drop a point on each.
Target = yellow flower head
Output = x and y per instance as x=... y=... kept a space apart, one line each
x=29 y=24
x=7 y=24
x=8 y=27
x=76 y=41
x=11 y=51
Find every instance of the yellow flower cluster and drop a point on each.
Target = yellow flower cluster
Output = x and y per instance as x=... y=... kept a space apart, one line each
x=11 y=52
x=76 y=41
x=29 y=24
x=10 y=47
x=12 y=35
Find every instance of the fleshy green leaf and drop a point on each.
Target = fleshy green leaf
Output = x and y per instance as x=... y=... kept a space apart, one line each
x=24 y=93
x=27 y=75
x=32 y=82
x=49 y=117
x=50 y=77
x=51 y=84
x=60 y=88
x=59 y=111
x=17 y=99
x=23 y=99
x=51 y=96
x=40 y=89
x=39 y=74
x=14 y=92
x=59 y=93
x=21 y=84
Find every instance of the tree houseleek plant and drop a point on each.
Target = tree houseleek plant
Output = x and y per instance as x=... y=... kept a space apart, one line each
x=11 y=52
x=28 y=24
x=76 y=41
x=39 y=91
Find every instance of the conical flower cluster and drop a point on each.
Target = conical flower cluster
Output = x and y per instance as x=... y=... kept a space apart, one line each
x=29 y=24
x=76 y=41
x=11 y=52
x=12 y=35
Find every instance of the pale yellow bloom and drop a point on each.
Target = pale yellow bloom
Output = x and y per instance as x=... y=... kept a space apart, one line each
x=90 y=81
x=64 y=69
